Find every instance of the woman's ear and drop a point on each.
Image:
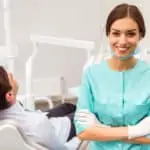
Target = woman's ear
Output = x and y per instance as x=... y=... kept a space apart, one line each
x=10 y=97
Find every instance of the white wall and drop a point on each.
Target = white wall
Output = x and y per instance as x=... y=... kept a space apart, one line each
x=78 y=19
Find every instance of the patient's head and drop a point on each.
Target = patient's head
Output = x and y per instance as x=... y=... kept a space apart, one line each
x=7 y=89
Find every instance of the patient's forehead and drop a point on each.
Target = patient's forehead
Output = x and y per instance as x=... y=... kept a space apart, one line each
x=10 y=77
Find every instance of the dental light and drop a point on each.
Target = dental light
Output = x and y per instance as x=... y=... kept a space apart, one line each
x=65 y=42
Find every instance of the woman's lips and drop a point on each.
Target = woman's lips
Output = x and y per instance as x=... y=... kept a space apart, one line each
x=122 y=50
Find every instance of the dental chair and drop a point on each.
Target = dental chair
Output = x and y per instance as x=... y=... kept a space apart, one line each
x=83 y=145
x=13 y=138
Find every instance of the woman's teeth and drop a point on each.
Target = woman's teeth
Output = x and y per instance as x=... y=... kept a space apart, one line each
x=122 y=49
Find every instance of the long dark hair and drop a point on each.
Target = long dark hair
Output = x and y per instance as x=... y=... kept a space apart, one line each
x=126 y=10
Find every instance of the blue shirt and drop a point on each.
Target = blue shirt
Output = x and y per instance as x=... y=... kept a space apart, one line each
x=116 y=98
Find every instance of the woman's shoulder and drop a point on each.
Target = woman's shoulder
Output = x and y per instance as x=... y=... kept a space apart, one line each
x=143 y=65
x=142 y=69
x=96 y=70
x=97 y=66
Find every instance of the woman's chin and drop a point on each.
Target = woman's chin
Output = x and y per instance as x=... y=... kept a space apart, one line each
x=122 y=54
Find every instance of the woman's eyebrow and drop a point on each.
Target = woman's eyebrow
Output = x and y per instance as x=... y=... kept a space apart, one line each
x=129 y=30
x=132 y=30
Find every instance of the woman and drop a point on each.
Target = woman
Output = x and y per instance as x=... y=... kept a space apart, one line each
x=114 y=102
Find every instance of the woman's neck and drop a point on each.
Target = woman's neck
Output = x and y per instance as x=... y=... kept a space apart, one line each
x=121 y=65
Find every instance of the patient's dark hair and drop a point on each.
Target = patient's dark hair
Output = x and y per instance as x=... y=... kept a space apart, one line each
x=4 y=88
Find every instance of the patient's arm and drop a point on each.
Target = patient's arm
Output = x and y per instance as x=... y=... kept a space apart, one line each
x=45 y=134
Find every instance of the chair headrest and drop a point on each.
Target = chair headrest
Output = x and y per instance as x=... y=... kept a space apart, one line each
x=12 y=137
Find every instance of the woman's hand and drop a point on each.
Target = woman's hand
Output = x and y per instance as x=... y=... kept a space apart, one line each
x=86 y=118
x=141 y=129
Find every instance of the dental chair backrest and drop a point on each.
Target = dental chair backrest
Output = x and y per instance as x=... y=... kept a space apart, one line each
x=13 y=138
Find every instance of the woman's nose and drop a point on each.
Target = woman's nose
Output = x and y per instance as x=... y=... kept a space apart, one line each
x=122 y=40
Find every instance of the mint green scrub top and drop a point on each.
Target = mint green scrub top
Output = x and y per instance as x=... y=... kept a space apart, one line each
x=116 y=98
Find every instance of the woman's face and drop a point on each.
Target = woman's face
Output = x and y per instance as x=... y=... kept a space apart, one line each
x=124 y=36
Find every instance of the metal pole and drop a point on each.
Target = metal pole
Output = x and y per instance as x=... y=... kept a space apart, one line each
x=8 y=35
x=29 y=103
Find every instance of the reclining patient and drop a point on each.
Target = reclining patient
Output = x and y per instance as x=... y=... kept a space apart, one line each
x=50 y=130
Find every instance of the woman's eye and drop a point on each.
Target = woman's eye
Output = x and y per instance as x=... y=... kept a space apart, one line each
x=131 y=34
x=115 y=33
